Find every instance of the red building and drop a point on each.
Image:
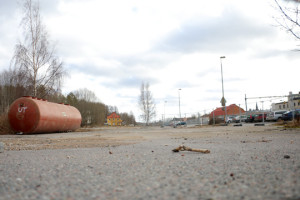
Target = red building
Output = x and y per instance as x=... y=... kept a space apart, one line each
x=231 y=110
x=114 y=119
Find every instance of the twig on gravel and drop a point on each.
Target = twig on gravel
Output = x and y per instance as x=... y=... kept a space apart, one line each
x=185 y=148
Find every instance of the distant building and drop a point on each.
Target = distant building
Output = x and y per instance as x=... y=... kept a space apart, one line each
x=293 y=102
x=114 y=120
x=232 y=110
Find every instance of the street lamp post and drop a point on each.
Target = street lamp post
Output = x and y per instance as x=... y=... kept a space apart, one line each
x=223 y=101
x=164 y=113
x=179 y=103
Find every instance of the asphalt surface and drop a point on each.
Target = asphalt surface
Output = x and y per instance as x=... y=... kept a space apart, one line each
x=240 y=166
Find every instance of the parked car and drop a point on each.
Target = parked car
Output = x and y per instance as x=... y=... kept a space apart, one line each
x=229 y=120
x=250 y=118
x=240 y=118
x=259 y=117
x=181 y=123
x=289 y=115
x=275 y=115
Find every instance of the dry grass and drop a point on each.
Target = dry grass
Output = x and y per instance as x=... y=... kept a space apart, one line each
x=289 y=124
x=4 y=125
x=293 y=124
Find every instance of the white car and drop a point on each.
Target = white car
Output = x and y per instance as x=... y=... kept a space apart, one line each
x=275 y=115
x=240 y=118
x=229 y=120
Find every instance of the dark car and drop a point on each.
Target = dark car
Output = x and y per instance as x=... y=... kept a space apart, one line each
x=289 y=115
x=181 y=123
x=259 y=117
x=250 y=118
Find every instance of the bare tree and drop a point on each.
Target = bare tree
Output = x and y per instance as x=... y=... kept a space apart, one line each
x=86 y=95
x=289 y=18
x=92 y=112
x=35 y=57
x=128 y=119
x=146 y=103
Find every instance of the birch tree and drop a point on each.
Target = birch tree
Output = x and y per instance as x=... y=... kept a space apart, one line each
x=35 y=56
x=146 y=103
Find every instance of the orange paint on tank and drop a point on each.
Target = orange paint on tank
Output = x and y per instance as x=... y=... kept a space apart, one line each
x=32 y=115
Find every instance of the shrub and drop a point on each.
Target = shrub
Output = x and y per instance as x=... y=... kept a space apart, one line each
x=4 y=125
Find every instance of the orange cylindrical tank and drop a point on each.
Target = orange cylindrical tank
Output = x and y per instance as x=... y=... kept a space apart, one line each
x=32 y=115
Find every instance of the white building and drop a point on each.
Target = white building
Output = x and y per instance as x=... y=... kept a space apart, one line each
x=292 y=103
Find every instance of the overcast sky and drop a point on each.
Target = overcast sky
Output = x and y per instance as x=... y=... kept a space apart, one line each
x=111 y=47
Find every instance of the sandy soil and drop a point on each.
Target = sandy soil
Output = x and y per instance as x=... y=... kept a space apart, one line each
x=115 y=136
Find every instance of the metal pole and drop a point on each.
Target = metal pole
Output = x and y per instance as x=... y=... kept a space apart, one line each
x=214 y=117
x=223 y=88
x=263 y=116
x=240 y=112
x=291 y=105
x=165 y=112
x=246 y=102
x=179 y=104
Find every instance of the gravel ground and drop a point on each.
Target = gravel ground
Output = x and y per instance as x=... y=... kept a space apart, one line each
x=242 y=165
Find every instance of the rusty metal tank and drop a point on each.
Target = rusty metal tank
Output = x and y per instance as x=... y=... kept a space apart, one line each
x=32 y=115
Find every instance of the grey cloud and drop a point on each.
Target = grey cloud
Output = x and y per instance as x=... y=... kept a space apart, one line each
x=290 y=53
x=212 y=98
x=8 y=8
x=147 y=59
x=49 y=7
x=213 y=90
x=90 y=69
x=184 y=84
x=227 y=33
x=120 y=77
x=132 y=81
x=234 y=79
x=204 y=73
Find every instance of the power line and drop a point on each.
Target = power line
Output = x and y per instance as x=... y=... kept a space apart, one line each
x=267 y=97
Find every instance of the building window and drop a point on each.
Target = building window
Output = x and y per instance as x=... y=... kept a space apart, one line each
x=294 y=104
x=279 y=106
x=283 y=106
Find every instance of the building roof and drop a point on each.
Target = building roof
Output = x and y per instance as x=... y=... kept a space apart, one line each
x=231 y=110
x=113 y=115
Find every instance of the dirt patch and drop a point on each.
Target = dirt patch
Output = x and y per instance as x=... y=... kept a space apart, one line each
x=92 y=138
x=48 y=143
x=110 y=136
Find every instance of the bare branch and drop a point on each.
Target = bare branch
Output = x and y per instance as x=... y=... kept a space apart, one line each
x=289 y=17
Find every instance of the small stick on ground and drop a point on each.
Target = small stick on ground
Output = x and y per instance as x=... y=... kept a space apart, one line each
x=185 y=148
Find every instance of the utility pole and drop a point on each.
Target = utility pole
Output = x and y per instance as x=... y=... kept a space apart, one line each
x=223 y=101
x=246 y=102
x=179 y=103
